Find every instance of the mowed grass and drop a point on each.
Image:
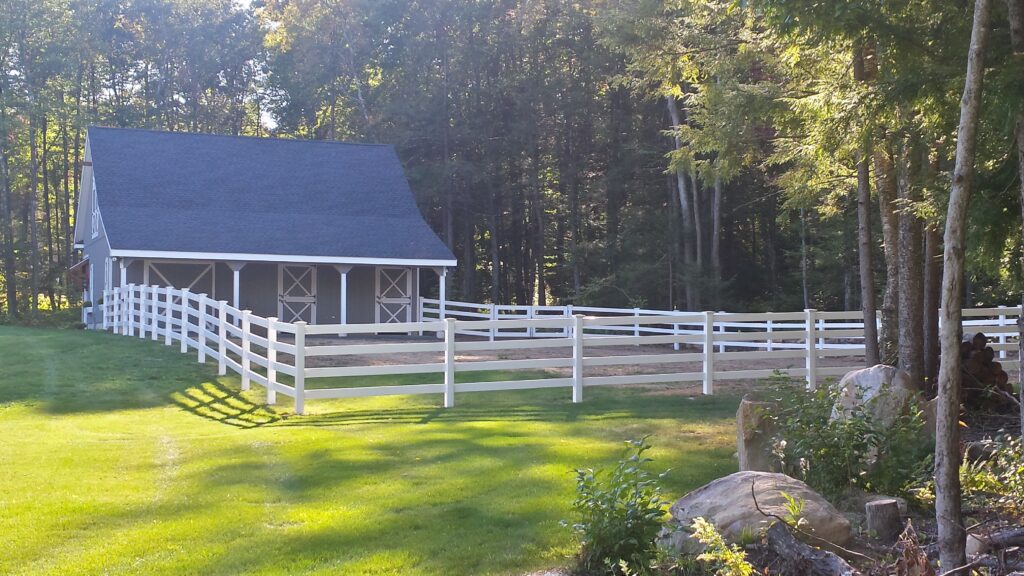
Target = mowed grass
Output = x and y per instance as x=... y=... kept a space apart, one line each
x=122 y=456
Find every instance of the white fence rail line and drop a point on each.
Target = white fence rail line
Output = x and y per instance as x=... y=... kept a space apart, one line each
x=275 y=354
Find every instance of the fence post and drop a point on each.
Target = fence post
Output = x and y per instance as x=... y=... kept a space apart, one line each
x=821 y=331
x=184 y=320
x=142 y=310
x=271 y=360
x=300 y=368
x=531 y=314
x=168 y=316
x=201 y=329
x=721 y=343
x=568 y=314
x=812 y=351
x=122 y=323
x=449 y=362
x=130 y=327
x=222 y=338
x=494 y=316
x=709 y=352
x=246 y=346
x=115 y=319
x=636 y=326
x=1002 y=335
x=770 y=341
x=154 y=313
x=577 y=358
x=675 y=332
x=103 y=308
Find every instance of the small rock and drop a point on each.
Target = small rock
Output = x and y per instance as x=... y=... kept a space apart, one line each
x=976 y=546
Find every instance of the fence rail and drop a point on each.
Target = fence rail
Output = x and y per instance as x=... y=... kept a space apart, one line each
x=276 y=355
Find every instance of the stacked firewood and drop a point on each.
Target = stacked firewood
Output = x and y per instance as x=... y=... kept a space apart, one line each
x=983 y=382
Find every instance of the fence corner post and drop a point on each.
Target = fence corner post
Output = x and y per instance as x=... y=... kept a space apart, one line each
x=168 y=316
x=222 y=337
x=271 y=360
x=201 y=329
x=184 y=320
x=143 y=303
x=449 y=362
x=300 y=368
x=709 y=352
x=577 y=358
x=246 y=346
x=812 y=350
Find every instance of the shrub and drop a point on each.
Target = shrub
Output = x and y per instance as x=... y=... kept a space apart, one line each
x=724 y=559
x=620 y=512
x=997 y=481
x=858 y=451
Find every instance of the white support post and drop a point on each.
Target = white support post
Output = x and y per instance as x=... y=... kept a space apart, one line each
x=568 y=314
x=115 y=310
x=675 y=332
x=300 y=368
x=812 y=351
x=709 y=352
x=222 y=338
x=271 y=360
x=246 y=346
x=184 y=320
x=124 y=272
x=771 y=345
x=493 y=312
x=721 y=343
x=442 y=295
x=577 y=359
x=1002 y=335
x=143 y=303
x=821 y=331
x=343 y=271
x=531 y=312
x=201 y=330
x=449 y=362
x=168 y=316
x=636 y=327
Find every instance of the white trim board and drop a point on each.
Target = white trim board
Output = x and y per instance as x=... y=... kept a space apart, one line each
x=299 y=259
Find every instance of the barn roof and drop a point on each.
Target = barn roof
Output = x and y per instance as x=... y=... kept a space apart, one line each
x=201 y=193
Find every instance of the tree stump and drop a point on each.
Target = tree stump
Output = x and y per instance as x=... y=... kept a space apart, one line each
x=883 y=519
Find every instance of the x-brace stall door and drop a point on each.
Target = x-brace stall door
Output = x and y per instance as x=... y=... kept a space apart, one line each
x=296 y=297
x=394 y=295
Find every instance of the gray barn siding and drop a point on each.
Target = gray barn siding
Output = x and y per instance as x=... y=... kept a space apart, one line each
x=259 y=287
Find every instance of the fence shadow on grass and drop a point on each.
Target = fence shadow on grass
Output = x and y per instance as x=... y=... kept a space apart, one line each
x=214 y=401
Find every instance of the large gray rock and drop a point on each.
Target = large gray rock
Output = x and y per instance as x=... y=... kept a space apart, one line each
x=728 y=504
x=754 y=431
x=865 y=386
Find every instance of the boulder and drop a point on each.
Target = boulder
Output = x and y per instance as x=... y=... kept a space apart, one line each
x=754 y=436
x=862 y=387
x=728 y=504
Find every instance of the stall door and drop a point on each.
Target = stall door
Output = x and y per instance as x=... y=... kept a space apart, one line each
x=296 y=295
x=394 y=295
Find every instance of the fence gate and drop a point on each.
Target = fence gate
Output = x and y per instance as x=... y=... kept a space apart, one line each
x=394 y=295
x=296 y=293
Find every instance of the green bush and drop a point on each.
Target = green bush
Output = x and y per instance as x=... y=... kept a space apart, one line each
x=835 y=454
x=619 y=513
x=997 y=481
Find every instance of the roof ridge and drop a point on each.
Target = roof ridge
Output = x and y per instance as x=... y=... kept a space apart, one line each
x=238 y=136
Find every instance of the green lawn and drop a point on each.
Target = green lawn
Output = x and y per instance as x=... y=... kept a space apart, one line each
x=122 y=456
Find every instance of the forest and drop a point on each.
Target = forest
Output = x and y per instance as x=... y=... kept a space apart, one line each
x=721 y=154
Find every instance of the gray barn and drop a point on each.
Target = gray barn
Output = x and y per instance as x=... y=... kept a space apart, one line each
x=325 y=232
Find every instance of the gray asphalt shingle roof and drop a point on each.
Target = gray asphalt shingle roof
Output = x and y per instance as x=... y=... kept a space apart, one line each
x=182 y=192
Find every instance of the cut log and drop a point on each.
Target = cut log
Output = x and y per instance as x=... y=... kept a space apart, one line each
x=883 y=519
x=800 y=558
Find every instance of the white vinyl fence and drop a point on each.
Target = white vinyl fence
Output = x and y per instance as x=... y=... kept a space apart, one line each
x=284 y=357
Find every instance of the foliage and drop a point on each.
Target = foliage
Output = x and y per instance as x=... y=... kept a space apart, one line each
x=726 y=560
x=619 y=513
x=997 y=481
x=833 y=454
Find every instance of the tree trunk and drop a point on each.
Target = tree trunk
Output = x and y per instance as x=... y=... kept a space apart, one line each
x=932 y=294
x=952 y=537
x=716 y=230
x=686 y=213
x=865 y=251
x=803 y=258
x=888 y=336
x=698 y=220
x=1016 y=17
x=911 y=320
x=33 y=208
